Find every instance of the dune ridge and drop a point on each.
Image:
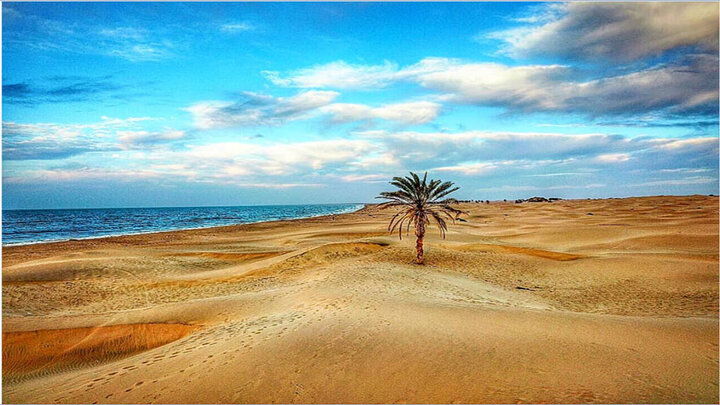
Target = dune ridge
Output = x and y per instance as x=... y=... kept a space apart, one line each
x=47 y=351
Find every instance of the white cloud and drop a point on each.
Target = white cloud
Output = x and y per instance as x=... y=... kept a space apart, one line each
x=83 y=174
x=616 y=31
x=486 y=145
x=303 y=102
x=134 y=139
x=522 y=87
x=235 y=27
x=135 y=44
x=274 y=159
x=267 y=165
x=143 y=52
x=560 y=174
x=124 y=33
x=342 y=75
x=540 y=154
x=210 y=114
x=613 y=158
x=171 y=172
x=279 y=185
x=684 y=170
x=692 y=143
x=258 y=109
x=468 y=168
x=688 y=86
x=418 y=112
x=499 y=158
x=677 y=182
x=85 y=37
x=376 y=161
x=106 y=121
x=366 y=178
x=338 y=75
x=52 y=141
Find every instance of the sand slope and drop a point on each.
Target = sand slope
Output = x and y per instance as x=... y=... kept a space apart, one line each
x=522 y=303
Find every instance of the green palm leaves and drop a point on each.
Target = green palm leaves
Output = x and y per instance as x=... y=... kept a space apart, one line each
x=420 y=201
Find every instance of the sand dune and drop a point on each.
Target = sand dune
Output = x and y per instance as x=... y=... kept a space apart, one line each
x=545 y=254
x=50 y=350
x=523 y=303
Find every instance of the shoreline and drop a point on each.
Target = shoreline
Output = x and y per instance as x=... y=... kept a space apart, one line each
x=120 y=235
x=364 y=206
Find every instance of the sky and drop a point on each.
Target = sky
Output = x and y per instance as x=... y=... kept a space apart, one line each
x=211 y=104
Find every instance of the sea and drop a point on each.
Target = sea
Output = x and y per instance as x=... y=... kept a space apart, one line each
x=22 y=227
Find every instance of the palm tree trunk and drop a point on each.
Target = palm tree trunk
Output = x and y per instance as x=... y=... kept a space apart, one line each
x=420 y=233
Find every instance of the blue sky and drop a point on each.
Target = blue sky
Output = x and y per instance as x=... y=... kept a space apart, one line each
x=182 y=104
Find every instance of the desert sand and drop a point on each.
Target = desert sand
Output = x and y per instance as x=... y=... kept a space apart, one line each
x=573 y=301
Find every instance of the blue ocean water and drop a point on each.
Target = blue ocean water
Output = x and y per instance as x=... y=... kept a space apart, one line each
x=34 y=226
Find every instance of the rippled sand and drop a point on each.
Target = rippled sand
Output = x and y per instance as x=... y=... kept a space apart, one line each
x=534 y=302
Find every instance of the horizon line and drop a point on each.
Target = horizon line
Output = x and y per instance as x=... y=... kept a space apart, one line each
x=471 y=201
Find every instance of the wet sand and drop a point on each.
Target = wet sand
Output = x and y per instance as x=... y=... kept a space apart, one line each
x=533 y=302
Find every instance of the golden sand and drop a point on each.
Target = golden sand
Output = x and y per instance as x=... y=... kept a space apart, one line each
x=50 y=350
x=533 y=302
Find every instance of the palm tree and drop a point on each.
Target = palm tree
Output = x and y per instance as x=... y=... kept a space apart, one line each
x=420 y=201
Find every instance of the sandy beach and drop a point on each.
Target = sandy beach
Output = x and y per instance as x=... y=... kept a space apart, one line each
x=601 y=301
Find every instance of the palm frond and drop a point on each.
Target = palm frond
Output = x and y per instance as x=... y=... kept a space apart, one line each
x=420 y=200
x=441 y=223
